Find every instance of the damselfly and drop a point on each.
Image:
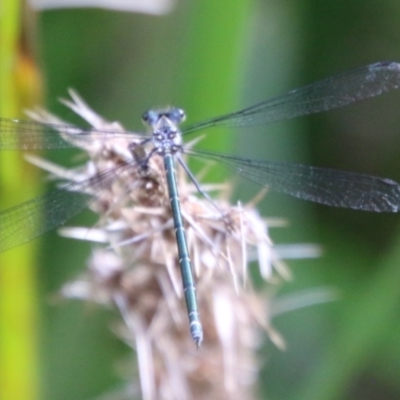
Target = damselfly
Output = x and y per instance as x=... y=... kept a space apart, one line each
x=330 y=187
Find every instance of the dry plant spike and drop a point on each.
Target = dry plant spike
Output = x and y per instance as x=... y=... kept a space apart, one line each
x=136 y=270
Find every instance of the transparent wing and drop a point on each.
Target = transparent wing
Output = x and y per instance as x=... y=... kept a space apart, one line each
x=35 y=217
x=29 y=135
x=326 y=186
x=338 y=91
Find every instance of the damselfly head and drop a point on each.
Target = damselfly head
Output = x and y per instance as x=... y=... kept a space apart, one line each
x=175 y=115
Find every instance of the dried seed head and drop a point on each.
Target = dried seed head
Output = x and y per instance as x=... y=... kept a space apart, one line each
x=137 y=271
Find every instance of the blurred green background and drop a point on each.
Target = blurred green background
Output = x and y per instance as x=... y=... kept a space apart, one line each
x=212 y=57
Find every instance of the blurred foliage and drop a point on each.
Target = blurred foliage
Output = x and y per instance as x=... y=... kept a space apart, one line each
x=20 y=86
x=209 y=58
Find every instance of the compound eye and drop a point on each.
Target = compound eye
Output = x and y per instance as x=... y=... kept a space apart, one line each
x=177 y=114
x=150 y=117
